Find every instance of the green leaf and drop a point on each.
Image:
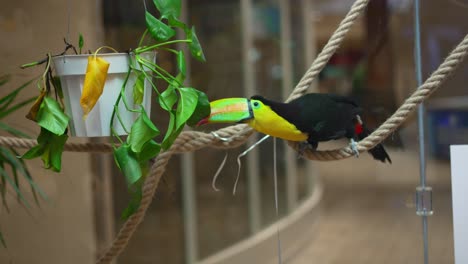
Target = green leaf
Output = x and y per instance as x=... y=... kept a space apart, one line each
x=3 y=187
x=201 y=111
x=194 y=46
x=186 y=105
x=168 y=98
x=2 y=240
x=50 y=148
x=139 y=89
x=21 y=166
x=15 y=107
x=15 y=177
x=181 y=63
x=168 y=8
x=15 y=187
x=172 y=133
x=141 y=132
x=158 y=29
x=175 y=22
x=56 y=150
x=13 y=131
x=4 y=79
x=150 y=150
x=80 y=42
x=51 y=117
x=58 y=86
x=8 y=99
x=133 y=205
x=127 y=162
x=34 y=152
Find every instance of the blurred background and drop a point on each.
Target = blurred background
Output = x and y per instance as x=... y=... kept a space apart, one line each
x=352 y=211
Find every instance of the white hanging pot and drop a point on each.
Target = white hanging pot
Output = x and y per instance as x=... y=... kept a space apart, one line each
x=72 y=69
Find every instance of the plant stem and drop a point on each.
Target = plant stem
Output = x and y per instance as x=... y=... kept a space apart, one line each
x=142 y=38
x=44 y=75
x=111 y=125
x=145 y=49
x=121 y=122
x=113 y=133
x=155 y=68
x=170 y=50
x=31 y=64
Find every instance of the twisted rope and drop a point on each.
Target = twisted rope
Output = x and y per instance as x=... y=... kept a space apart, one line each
x=238 y=134
x=330 y=48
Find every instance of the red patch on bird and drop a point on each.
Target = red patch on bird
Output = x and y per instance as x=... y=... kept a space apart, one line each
x=358 y=129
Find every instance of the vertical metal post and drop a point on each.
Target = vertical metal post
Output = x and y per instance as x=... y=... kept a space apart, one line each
x=423 y=193
x=310 y=51
x=253 y=177
x=189 y=198
x=287 y=86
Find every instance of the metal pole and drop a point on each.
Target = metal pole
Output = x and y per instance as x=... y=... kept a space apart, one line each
x=423 y=194
x=253 y=179
x=287 y=70
x=189 y=198
x=310 y=51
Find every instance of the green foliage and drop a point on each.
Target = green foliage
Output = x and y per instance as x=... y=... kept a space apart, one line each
x=181 y=63
x=195 y=47
x=11 y=167
x=127 y=161
x=184 y=105
x=51 y=116
x=168 y=8
x=202 y=109
x=139 y=89
x=80 y=42
x=143 y=130
x=158 y=29
x=50 y=148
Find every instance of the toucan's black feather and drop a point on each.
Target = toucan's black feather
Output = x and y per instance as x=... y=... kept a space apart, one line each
x=324 y=117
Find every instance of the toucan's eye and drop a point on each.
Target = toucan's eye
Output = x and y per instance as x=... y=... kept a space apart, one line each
x=256 y=104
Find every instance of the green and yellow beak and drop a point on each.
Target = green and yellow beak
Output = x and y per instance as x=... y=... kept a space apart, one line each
x=228 y=110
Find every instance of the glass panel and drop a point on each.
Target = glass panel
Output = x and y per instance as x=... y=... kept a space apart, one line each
x=222 y=216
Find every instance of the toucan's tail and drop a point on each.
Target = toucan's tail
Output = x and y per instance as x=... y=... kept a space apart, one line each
x=378 y=152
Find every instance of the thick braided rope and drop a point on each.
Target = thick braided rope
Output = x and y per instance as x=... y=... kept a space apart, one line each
x=436 y=79
x=15 y=142
x=330 y=48
x=190 y=141
x=187 y=141
x=149 y=189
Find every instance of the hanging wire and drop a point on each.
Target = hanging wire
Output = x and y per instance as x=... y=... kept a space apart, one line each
x=242 y=155
x=68 y=20
x=215 y=177
x=67 y=38
x=422 y=151
x=275 y=178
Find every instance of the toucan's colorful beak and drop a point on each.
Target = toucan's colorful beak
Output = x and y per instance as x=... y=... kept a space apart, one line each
x=228 y=110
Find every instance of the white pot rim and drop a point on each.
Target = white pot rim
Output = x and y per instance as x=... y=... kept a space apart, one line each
x=75 y=64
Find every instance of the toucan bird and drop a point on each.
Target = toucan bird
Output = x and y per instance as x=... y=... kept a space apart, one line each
x=311 y=118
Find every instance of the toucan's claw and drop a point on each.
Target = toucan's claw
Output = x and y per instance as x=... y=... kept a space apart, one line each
x=353 y=146
x=303 y=147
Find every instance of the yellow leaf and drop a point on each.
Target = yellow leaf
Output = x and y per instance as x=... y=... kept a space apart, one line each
x=95 y=78
x=32 y=114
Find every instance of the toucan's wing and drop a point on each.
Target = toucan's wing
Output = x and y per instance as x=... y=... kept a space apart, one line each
x=325 y=116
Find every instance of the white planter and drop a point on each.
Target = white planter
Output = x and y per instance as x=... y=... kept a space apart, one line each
x=72 y=69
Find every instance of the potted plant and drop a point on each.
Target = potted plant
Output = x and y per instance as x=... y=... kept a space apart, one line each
x=104 y=111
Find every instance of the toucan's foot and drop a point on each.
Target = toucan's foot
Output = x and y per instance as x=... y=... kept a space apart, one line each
x=303 y=147
x=353 y=146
